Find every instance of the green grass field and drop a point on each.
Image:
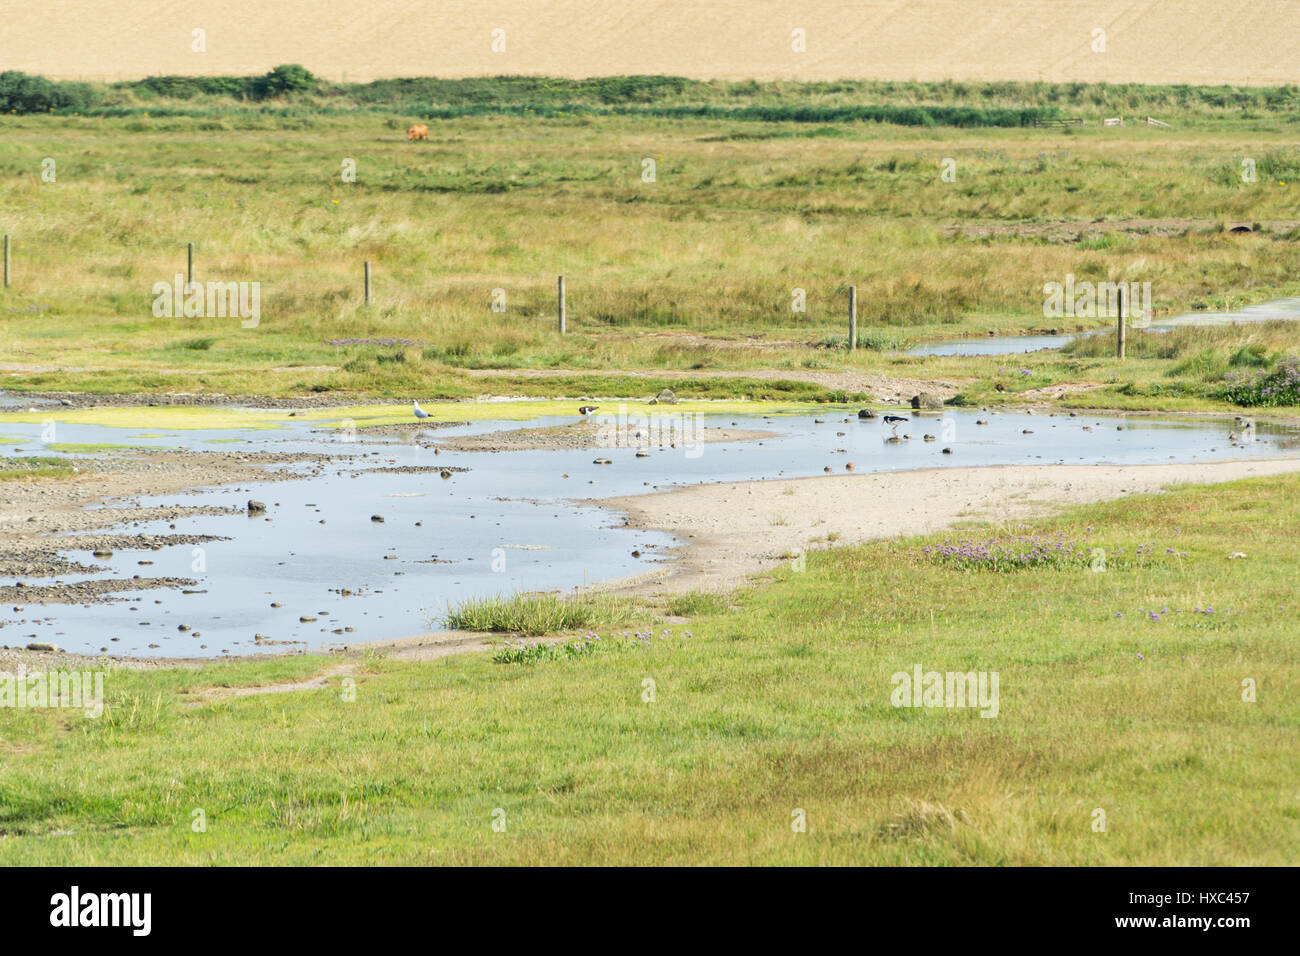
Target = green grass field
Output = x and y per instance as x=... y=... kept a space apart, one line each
x=779 y=705
x=694 y=271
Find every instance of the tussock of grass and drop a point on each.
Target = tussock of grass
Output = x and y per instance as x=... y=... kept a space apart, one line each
x=89 y=448
x=697 y=604
x=552 y=651
x=14 y=469
x=535 y=614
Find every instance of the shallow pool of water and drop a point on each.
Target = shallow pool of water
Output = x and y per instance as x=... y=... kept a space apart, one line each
x=995 y=345
x=514 y=521
x=1277 y=310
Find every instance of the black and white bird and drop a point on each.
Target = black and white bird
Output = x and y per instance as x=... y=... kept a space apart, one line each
x=587 y=409
x=419 y=412
x=895 y=421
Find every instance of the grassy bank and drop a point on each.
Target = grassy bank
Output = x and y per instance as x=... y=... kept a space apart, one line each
x=1120 y=691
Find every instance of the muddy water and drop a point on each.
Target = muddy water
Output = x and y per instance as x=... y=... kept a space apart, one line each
x=513 y=521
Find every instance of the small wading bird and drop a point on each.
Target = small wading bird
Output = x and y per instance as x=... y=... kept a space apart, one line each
x=587 y=409
x=894 y=420
x=419 y=412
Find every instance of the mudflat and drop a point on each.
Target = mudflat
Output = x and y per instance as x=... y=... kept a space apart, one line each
x=731 y=531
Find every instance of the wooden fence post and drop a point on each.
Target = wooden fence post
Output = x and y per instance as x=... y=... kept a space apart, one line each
x=853 y=317
x=560 y=304
x=6 y=260
x=367 y=284
x=1119 y=332
x=189 y=263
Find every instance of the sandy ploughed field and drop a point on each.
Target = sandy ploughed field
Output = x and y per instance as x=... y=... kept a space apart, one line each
x=1152 y=41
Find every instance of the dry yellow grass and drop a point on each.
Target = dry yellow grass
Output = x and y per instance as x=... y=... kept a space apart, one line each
x=1154 y=41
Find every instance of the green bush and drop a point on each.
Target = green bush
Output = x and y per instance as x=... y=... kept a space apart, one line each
x=188 y=87
x=23 y=93
x=285 y=80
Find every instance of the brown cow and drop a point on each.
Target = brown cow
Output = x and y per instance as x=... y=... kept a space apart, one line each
x=417 y=132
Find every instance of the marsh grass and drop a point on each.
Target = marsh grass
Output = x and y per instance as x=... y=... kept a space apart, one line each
x=696 y=604
x=36 y=466
x=524 y=653
x=534 y=614
x=693 y=272
x=90 y=448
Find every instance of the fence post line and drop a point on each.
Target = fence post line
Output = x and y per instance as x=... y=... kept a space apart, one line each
x=560 y=304
x=367 y=282
x=6 y=260
x=189 y=263
x=853 y=317
x=1119 y=331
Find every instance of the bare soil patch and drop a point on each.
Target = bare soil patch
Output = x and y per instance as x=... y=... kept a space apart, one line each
x=884 y=388
x=584 y=434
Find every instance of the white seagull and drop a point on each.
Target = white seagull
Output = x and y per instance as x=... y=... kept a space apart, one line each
x=419 y=412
